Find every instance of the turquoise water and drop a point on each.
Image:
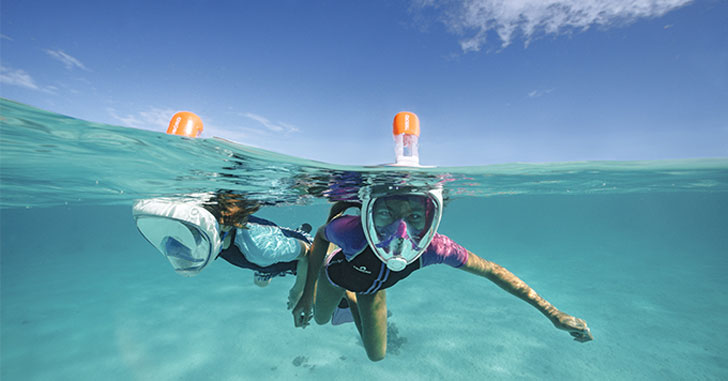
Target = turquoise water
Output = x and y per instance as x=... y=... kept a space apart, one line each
x=637 y=249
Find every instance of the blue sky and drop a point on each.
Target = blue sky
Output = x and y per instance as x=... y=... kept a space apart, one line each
x=492 y=81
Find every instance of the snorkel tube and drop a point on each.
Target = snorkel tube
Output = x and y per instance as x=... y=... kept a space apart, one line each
x=406 y=133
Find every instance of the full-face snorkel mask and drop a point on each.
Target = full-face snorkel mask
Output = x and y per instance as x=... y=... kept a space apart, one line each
x=399 y=223
x=184 y=232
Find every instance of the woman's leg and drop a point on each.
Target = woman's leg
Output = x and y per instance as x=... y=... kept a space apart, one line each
x=370 y=314
x=351 y=300
x=327 y=298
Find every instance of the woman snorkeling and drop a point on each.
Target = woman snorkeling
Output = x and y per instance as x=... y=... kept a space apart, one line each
x=395 y=235
x=191 y=234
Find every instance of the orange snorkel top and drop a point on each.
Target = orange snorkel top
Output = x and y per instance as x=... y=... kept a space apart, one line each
x=406 y=122
x=185 y=123
x=406 y=133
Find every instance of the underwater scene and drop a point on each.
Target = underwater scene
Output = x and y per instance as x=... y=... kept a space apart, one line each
x=638 y=249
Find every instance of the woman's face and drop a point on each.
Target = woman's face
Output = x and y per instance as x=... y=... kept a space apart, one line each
x=410 y=210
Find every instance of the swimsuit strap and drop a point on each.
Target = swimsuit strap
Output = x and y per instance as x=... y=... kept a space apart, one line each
x=222 y=240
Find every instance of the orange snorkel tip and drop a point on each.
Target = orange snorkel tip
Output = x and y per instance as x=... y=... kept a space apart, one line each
x=406 y=133
x=185 y=123
x=406 y=122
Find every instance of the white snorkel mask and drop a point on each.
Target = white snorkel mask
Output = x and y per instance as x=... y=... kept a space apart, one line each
x=400 y=223
x=184 y=232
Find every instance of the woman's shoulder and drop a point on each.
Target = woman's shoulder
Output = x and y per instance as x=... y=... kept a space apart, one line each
x=442 y=249
x=346 y=232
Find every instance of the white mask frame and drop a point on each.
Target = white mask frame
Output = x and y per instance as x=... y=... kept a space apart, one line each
x=408 y=254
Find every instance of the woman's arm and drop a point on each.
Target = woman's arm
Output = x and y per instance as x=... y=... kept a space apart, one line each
x=294 y=295
x=511 y=283
x=303 y=311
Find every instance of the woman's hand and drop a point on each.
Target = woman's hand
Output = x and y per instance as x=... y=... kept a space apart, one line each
x=575 y=326
x=303 y=311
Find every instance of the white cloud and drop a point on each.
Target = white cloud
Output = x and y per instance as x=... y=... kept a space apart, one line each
x=17 y=77
x=473 y=20
x=539 y=93
x=273 y=127
x=155 y=119
x=66 y=59
x=4 y=37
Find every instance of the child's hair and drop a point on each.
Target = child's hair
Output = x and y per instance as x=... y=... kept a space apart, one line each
x=230 y=208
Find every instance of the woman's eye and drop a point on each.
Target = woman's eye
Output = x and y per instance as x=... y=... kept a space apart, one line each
x=384 y=214
x=414 y=217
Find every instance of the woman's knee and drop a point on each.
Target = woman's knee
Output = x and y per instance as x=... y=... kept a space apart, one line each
x=377 y=354
x=320 y=318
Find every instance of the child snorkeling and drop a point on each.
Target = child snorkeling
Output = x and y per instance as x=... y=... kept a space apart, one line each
x=191 y=234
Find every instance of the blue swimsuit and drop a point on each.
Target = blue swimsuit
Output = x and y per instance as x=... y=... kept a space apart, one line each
x=265 y=247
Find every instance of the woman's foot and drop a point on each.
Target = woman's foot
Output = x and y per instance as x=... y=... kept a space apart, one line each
x=342 y=313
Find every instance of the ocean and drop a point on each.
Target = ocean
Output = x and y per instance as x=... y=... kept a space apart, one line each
x=637 y=249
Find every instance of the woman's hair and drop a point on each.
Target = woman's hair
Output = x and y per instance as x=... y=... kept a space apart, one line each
x=230 y=208
x=340 y=207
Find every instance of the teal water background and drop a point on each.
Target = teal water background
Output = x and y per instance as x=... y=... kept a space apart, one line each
x=637 y=249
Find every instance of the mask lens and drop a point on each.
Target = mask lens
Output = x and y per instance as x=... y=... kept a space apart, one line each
x=186 y=250
x=399 y=227
x=176 y=249
x=406 y=216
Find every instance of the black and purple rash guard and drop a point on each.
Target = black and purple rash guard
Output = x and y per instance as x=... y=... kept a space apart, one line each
x=356 y=268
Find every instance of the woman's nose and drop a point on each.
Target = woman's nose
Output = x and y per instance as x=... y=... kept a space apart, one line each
x=401 y=231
